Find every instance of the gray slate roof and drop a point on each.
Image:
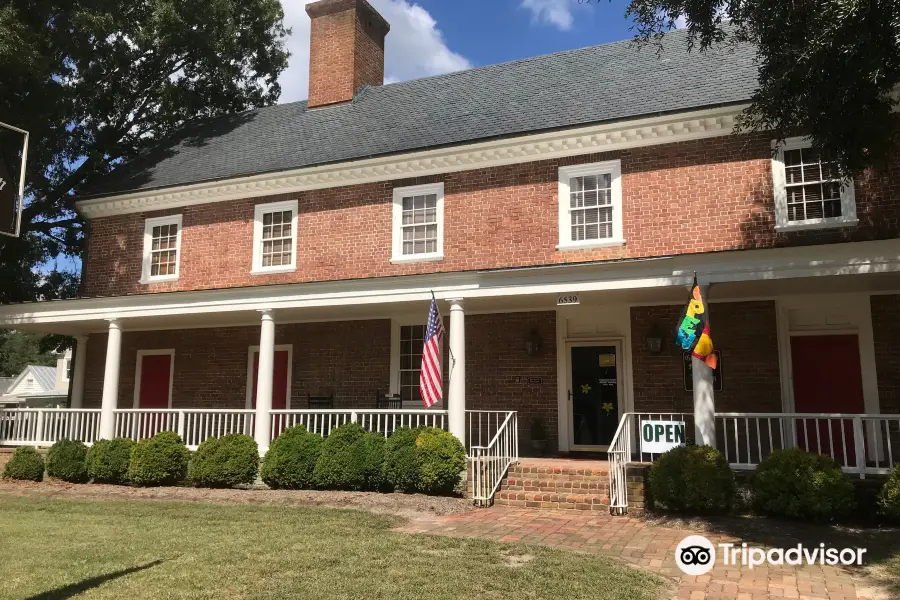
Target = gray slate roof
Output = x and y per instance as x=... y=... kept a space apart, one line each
x=578 y=87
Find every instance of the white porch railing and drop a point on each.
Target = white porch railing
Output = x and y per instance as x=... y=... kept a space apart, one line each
x=194 y=425
x=861 y=444
x=625 y=448
x=44 y=426
x=384 y=421
x=491 y=461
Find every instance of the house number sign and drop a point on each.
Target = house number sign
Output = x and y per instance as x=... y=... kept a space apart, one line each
x=567 y=300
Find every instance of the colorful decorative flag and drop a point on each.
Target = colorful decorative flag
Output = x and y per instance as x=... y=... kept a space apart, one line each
x=430 y=384
x=693 y=331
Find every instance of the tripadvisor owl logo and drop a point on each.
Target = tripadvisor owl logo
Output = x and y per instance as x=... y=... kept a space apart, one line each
x=695 y=555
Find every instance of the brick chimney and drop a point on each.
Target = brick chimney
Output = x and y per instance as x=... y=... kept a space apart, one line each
x=346 y=49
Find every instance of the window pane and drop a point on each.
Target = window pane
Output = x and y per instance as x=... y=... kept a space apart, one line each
x=812 y=187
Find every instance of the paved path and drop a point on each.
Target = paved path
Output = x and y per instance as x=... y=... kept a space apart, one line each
x=652 y=547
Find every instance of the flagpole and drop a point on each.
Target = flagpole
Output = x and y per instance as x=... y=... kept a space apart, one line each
x=449 y=351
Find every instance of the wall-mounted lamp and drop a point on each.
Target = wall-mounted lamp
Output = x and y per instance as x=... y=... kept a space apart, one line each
x=653 y=341
x=533 y=343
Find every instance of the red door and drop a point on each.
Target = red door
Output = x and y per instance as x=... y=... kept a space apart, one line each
x=153 y=391
x=827 y=379
x=279 y=387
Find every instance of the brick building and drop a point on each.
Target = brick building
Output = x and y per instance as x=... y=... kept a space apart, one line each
x=557 y=207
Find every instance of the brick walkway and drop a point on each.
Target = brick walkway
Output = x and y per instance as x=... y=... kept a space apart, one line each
x=652 y=547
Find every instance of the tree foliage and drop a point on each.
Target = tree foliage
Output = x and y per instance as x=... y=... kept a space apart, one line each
x=96 y=82
x=827 y=68
x=18 y=349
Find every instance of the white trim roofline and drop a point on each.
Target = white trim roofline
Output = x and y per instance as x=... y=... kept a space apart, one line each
x=606 y=137
x=852 y=258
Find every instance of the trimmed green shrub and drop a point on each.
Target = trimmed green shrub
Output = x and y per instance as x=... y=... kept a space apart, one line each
x=107 y=460
x=802 y=485
x=441 y=459
x=401 y=463
x=371 y=446
x=160 y=460
x=225 y=461
x=692 y=479
x=26 y=464
x=889 y=497
x=291 y=459
x=342 y=463
x=66 y=461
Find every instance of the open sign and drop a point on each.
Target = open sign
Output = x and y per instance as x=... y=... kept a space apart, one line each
x=661 y=436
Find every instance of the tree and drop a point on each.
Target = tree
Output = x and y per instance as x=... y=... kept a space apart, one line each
x=96 y=82
x=19 y=349
x=827 y=68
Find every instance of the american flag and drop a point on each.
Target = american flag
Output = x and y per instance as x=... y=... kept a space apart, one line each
x=430 y=384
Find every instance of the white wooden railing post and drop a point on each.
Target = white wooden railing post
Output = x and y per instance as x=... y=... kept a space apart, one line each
x=111 y=382
x=353 y=416
x=456 y=395
x=859 y=442
x=181 y=424
x=264 y=379
x=77 y=375
x=39 y=426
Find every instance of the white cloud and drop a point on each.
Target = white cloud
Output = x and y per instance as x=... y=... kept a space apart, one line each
x=680 y=22
x=414 y=47
x=554 y=12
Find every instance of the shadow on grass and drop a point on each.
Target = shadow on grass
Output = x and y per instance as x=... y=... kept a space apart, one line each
x=67 y=591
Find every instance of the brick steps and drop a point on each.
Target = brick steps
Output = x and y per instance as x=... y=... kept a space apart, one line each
x=553 y=501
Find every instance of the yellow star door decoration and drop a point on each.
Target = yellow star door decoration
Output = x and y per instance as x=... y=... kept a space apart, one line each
x=608 y=407
x=585 y=388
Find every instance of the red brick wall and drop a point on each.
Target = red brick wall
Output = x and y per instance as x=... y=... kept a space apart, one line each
x=346 y=51
x=498 y=369
x=699 y=196
x=886 y=327
x=746 y=335
x=350 y=359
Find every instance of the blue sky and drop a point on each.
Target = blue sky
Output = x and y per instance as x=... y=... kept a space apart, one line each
x=430 y=37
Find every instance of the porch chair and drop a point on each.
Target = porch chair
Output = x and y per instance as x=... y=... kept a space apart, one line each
x=322 y=402
x=387 y=401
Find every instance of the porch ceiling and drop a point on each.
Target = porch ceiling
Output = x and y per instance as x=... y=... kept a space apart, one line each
x=720 y=292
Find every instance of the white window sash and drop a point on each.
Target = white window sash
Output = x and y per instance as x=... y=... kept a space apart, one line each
x=258 y=213
x=613 y=168
x=149 y=224
x=395 y=383
x=779 y=181
x=436 y=189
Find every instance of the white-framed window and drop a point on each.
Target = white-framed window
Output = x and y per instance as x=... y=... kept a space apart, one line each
x=407 y=343
x=418 y=223
x=590 y=205
x=162 y=249
x=809 y=193
x=275 y=237
x=67 y=367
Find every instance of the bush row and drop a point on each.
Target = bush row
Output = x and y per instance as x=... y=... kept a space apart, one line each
x=427 y=460
x=788 y=483
x=160 y=460
x=424 y=460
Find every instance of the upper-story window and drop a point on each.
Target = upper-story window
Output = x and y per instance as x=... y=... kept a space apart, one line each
x=809 y=193
x=590 y=205
x=418 y=223
x=162 y=249
x=275 y=237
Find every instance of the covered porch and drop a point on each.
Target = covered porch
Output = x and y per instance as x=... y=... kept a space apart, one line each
x=576 y=353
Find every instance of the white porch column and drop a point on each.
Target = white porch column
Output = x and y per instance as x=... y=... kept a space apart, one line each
x=456 y=395
x=77 y=374
x=111 y=382
x=704 y=402
x=263 y=431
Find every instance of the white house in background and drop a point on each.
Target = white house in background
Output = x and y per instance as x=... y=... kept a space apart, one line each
x=40 y=386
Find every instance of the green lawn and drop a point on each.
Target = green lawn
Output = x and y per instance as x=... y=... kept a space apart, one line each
x=53 y=549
